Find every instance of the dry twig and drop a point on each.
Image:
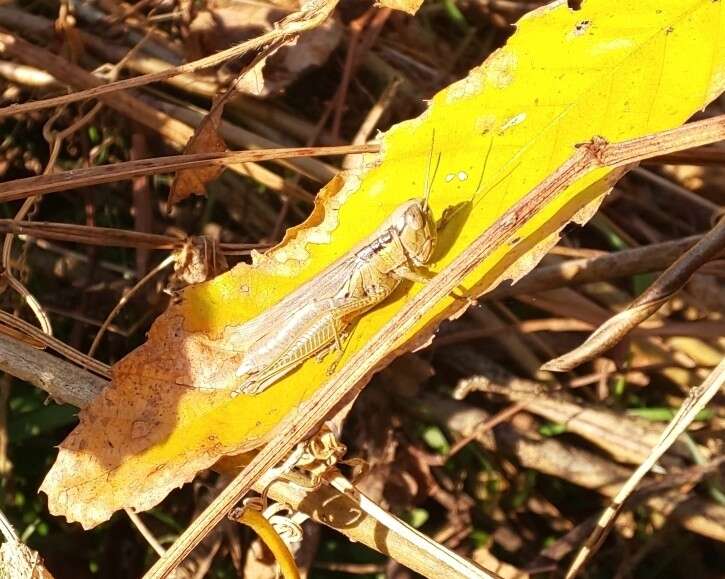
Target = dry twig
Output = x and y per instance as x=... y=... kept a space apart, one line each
x=313 y=14
x=659 y=293
x=695 y=402
x=42 y=184
x=175 y=132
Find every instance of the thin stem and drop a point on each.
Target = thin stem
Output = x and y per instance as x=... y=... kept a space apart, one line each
x=42 y=184
x=124 y=300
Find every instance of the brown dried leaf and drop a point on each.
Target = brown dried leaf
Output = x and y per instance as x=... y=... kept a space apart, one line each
x=206 y=139
x=198 y=260
x=222 y=25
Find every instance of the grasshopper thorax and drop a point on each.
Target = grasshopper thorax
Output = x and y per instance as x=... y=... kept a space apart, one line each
x=416 y=230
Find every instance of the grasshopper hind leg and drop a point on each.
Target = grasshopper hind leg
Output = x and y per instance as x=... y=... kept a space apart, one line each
x=331 y=335
x=339 y=346
x=252 y=386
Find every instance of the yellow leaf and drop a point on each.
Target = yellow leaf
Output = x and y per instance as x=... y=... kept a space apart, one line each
x=564 y=77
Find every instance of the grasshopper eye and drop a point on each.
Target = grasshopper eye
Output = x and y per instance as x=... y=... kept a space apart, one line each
x=414 y=219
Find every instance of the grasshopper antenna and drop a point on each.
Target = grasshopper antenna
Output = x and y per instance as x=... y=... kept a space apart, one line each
x=514 y=163
x=428 y=178
x=483 y=170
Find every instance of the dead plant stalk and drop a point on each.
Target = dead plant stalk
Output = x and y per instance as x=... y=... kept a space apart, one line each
x=42 y=184
x=285 y=31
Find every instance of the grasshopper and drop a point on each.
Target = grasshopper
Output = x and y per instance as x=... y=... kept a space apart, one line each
x=365 y=277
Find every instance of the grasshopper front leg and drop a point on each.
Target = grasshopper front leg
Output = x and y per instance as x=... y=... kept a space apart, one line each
x=423 y=276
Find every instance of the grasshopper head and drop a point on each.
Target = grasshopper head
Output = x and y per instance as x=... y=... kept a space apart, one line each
x=417 y=231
